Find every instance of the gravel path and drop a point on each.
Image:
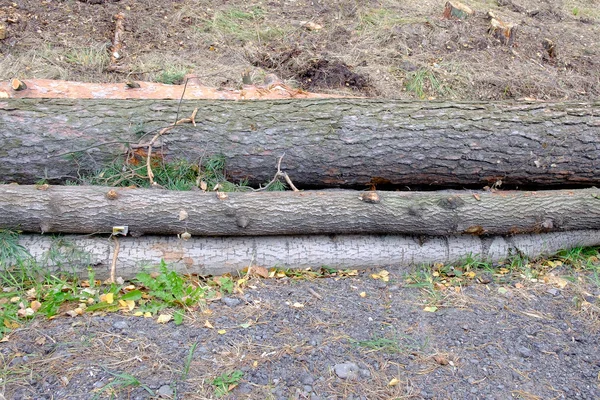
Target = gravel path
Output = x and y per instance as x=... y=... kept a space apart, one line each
x=332 y=338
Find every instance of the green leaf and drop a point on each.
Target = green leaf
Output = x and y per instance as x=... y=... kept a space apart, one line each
x=178 y=317
x=133 y=295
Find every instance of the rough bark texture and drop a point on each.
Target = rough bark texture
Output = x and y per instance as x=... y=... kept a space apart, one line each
x=214 y=256
x=342 y=142
x=91 y=209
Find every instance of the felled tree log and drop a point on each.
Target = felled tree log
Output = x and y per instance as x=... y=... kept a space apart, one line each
x=93 y=209
x=341 y=142
x=215 y=256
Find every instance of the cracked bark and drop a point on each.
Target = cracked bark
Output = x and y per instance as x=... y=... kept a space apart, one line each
x=327 y=143
x=88 y=209
x=214 y=256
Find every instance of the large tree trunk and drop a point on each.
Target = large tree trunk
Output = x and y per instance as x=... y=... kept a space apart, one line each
x=349 y=142
x=94 y=209
x=214 y=256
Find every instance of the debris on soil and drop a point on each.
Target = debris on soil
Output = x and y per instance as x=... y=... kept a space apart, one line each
x=481 y=342
x=374 y=40
x=323 y=73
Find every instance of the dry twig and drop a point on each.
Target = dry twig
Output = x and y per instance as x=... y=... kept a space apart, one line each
x=113 y=267
x=279 y=174
x=163 y=131
x=115 y=54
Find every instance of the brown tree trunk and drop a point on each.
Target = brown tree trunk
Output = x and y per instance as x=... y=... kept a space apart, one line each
x=341 y=142
x=92 y=209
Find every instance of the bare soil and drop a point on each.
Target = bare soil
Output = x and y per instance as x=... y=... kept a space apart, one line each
x=509 y=338
x=371 y=48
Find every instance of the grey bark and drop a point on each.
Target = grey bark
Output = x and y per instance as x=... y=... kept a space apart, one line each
x=349 y=142
x=214 y=256
x=88 y=209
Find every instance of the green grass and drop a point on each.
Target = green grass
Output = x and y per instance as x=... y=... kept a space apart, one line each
x=29 y=290
x=121 y=381
x=10 y=249
x=225 y=382
x=171 y=76
x=396 y=344
x=167 y=289
x=178 y=175
x=379 y=20
x=243 y=25
x=94 y=58
x=425 y=83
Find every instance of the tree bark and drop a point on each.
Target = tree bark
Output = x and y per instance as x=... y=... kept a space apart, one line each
x=215 y=256
x=92 y=209
x=341 y=142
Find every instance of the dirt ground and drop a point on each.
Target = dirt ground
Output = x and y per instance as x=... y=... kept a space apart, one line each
x=372 y=48
x=354 y=337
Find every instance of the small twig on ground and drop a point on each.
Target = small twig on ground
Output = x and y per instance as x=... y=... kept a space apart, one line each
x=116 y=44
x=279 y=174
x=113 y=267
x=317 y=295
x=163 y=131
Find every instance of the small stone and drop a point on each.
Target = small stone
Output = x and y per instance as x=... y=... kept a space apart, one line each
x=485 y=278
x=524 y=352
x=347 y=370
x=120 y=325
x=230 y=302
x=244 y=388
x=165 y=391
x=307 y=379
x=553 y=291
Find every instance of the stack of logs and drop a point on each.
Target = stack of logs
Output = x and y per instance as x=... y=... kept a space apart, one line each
x=508 y=179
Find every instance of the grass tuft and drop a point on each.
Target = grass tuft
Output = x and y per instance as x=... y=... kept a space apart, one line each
x=225 y=382
x=177 y=175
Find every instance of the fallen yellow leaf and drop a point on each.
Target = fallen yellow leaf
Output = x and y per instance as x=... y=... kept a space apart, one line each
x=138 y=313
x=556 y=281
x=35 y=305
x=394 y=382
x=221 y=331
x=163 y=318
x=470 y=274
x=260 y=271
x=147 y=314
x=430 y=309
x=208 y=325
x=107 y=298
x=130 y=304
x=363 y=294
